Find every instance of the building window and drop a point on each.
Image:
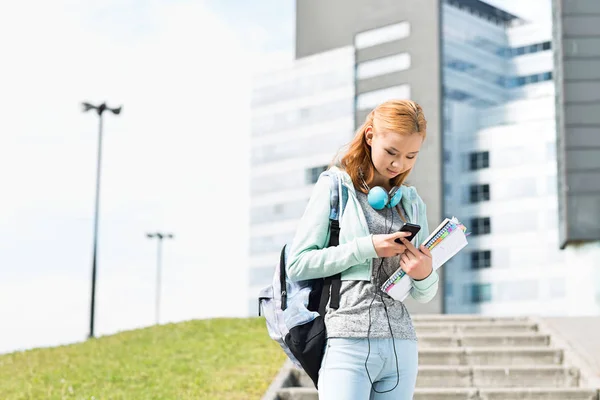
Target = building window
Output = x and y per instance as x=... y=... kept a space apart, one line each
x=529 y=49
x=479 y=160
x=448 y=289
x=481 y=259
x=447 y=156
x=312 y=174
x=481 y=292
x=528 y=79
x=370 y=100
x=458 y=95
x=447 y=189
x=480 y=226
x=478 y=193
x=383 y=65
x=381 y=35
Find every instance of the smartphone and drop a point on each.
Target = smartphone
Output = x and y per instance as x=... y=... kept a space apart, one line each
x=408 y=227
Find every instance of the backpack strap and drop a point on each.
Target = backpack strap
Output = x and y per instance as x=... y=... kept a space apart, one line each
x=333 y=284
x=283 y=285
x=334 y=196
x=335 y=281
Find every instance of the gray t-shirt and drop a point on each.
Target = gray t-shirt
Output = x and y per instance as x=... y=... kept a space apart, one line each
x=351 y=319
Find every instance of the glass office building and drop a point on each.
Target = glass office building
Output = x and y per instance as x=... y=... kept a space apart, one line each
x=500 y=162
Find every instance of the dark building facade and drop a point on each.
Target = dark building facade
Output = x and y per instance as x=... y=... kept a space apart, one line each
x=576 y=35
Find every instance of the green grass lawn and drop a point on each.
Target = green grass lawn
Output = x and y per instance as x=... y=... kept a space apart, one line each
x=208 y=359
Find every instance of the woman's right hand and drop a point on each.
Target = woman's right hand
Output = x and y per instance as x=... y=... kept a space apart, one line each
x=385 y=244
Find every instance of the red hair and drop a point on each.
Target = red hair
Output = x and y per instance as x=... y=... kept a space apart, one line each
x=404 y=117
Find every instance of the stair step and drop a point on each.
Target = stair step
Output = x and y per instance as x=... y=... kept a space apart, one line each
x=539 y=394
x=506 y=394
x=497 y=376
x=490 y=356
x=485 y=340
x=464 y=318
x=441 y=327
x=468 y=394
x=445 y=394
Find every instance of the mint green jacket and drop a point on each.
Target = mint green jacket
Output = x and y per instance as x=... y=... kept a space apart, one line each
x=310 y=258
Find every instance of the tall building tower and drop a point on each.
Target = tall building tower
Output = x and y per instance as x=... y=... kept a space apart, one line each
x=576 y=34
x=499 y=161
x=577 y=59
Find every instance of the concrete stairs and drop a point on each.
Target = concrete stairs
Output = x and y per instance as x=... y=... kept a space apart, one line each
x=478 y=358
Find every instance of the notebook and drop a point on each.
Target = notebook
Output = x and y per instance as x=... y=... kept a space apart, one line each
x=444 y=242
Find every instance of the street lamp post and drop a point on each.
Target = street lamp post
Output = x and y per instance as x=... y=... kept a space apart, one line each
x=160 y=236
x=99 y=110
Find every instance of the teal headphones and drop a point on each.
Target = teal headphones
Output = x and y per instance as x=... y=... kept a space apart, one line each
x=379 y=198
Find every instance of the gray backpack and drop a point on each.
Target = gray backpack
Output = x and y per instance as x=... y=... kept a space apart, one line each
x=295 y=311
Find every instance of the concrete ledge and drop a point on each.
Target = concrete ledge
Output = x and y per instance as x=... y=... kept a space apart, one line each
x=580 y=338
x=286 y=377
x=298 y=393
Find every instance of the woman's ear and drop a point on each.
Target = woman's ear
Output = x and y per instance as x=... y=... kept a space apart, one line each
x=369 y=135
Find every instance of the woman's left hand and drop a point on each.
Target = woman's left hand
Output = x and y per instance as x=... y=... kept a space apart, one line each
x=417 y=263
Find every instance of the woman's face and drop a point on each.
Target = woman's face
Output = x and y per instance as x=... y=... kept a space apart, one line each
x=392 y=153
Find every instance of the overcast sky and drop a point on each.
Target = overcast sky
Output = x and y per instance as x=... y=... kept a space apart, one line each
x=539 y=11
x=176 y=160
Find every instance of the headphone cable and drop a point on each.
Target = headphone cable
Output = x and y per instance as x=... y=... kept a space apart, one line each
x=386 y=314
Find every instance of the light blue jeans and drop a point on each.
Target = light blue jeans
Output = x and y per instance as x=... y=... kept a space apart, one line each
x=343 y=375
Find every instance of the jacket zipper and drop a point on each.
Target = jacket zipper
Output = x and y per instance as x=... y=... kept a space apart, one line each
x=415 y=208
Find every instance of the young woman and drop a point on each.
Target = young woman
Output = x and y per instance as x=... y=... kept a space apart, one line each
x=371 y=350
